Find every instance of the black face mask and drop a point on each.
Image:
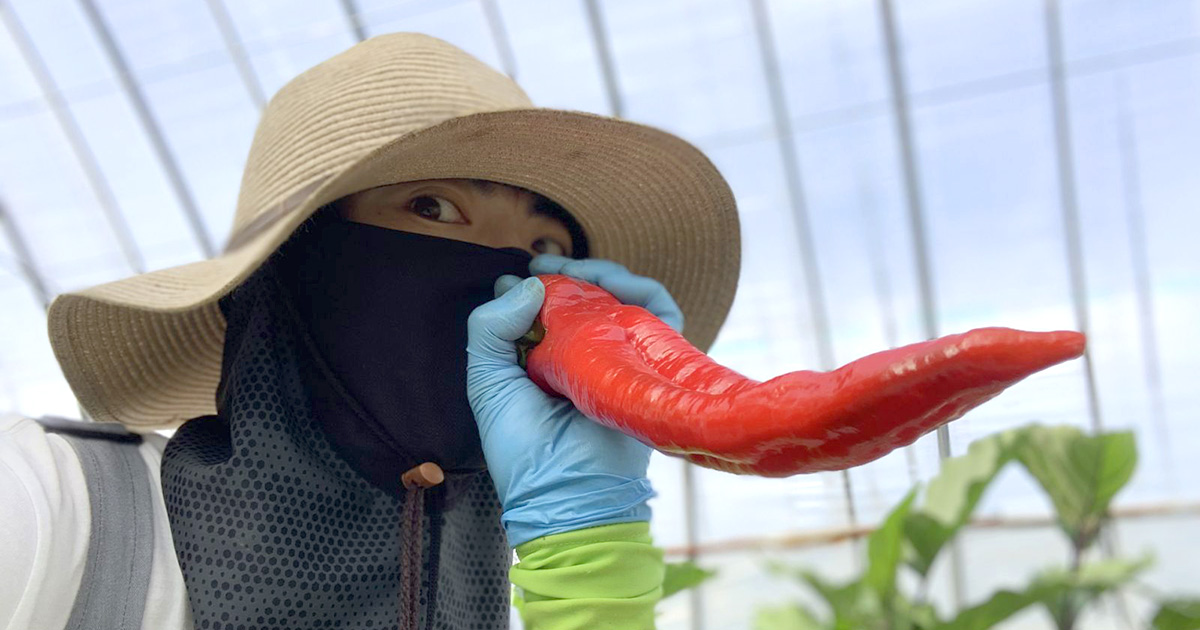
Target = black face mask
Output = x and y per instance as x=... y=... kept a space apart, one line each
x=386 y=313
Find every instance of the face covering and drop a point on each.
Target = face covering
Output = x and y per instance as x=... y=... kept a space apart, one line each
x=274 y=519
x=386 y=315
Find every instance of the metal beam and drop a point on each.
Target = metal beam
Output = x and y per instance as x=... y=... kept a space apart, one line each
x=1072 y=234
x=150 y=126
x=20 y=247
x=608 y=71
x=902 y=114
x=790 y=160
x=1140 y=261
x=781 y=120
x=354 y=18
x=508 y=60
x=75 y=138
x=237 y=52
x=1179 y=49
x=1068 y=202
x=616 y=106
x=876 y=244
x=811 y=538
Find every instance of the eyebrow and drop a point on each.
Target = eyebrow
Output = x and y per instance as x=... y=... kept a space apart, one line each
x=542 y=206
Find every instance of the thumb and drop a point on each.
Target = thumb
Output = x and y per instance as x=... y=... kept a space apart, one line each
x=506 y=282
x=494 y=325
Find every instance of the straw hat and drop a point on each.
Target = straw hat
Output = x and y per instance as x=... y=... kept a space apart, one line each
x=146 y=351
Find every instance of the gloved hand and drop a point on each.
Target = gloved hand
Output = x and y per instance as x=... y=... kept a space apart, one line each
x=555 y=470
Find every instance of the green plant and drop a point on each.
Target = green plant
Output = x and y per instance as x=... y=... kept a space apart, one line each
x=1080 y=473
x=681 y=576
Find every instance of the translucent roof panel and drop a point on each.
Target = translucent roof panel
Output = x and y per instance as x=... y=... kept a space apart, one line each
x=124 y=130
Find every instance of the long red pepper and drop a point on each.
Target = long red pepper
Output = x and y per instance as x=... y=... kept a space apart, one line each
x=626 y=369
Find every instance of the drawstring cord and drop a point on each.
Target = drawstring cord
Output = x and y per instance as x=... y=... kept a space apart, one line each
x=410 y=556
x=416 y=481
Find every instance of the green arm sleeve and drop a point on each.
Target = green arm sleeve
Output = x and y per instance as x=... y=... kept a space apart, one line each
x=600 y=577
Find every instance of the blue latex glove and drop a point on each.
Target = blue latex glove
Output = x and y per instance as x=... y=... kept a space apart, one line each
x=554 y=469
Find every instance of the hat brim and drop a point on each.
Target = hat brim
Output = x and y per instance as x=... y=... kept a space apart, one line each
x=146 y=351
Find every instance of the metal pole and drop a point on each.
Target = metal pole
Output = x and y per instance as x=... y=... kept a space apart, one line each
x=149 y=126
x=690 y=533
x=508 y=60
x=883 y=289
x=237 y=51
x=912 y=189
x=607 y=66
x=781 y=119
x=809 y=538
x=616 y=105
x=1073 y=235
x=20 y=248
x=1068 y=201
x=691 y=539
x=1186 y=48
x=355 y=20
x=1140 y=259
x=79 y=146
x=795 y=188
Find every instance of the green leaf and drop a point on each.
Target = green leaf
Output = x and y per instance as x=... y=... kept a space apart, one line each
x=1178 y=614
x=1000 y=606
x=683 y=575
x=953 y=495
x=926 y=536
x=1081 y=474
x=853 y=604
x=907 y=615
x=1105 y=575
x=957 y=488
x=1065 y=593
x=1055 y=589
x=1097 y=577
x=884 y=548
x=841 y=599
x=788 y=617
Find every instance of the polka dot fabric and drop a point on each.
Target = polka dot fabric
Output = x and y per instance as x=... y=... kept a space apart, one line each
x=273 y=529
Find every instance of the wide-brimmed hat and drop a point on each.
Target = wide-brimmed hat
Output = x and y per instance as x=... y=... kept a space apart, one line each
x=146 y=351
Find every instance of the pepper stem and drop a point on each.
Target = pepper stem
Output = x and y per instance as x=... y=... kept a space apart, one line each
x=528 y=341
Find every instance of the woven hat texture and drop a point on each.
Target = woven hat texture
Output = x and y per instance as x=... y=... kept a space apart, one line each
x=146 y=351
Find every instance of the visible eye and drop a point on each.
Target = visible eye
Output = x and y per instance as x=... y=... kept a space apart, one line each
x=435 y=209
x=549 y=246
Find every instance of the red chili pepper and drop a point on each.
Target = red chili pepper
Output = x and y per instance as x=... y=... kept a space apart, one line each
x=626 y=369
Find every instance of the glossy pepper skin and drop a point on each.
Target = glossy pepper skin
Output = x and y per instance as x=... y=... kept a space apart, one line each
x=626 y=369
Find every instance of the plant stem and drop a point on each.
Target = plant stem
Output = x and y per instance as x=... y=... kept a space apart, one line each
x=1071 y=608
x=1076 y=557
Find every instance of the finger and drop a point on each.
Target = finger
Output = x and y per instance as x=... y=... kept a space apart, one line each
x=589 y=269
x=548 y=263
x=640 y=290
x=506 y=282
x=626 y=286
x=494 y=325
x=647 y=293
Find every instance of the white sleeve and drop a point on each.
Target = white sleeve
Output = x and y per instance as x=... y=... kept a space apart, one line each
x=44 y=526
x=18 y=540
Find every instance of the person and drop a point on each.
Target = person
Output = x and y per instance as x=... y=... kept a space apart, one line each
x=356 y=444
